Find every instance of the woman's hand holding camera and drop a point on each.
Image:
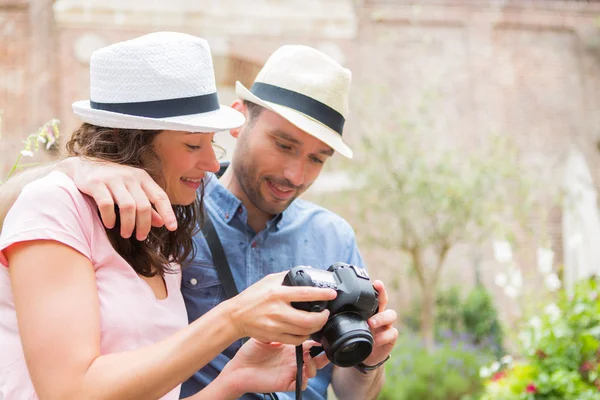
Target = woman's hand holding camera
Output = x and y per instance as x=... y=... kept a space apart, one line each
x=263 y=311
x=275 y=363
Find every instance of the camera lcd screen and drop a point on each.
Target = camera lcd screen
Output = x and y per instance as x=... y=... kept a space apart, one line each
x=321 y=276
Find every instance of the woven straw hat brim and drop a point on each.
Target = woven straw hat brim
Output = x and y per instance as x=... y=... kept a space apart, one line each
x=300 y=120
x=222 y=119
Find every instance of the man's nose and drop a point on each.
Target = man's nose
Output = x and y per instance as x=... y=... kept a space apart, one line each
x=294 y=172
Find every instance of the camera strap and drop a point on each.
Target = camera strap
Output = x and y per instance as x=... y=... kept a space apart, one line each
x=223 y=269
x=219 y=258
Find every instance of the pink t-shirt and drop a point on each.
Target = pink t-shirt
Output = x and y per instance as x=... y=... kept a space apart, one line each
x=130 y=315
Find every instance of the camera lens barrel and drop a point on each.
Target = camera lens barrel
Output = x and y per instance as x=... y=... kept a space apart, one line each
x=346 y=339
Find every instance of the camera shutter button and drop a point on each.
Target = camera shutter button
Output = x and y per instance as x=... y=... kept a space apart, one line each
x=316 y=308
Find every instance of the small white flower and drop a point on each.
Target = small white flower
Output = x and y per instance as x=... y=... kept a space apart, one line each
x=552 y=282
x=502 y=251
x=484 y=372
x=525 y=339
x=553 y=312
x=495 y=366
x=511 y=291
x=545 y=258
x=26 y=153
x=501 y=280
x=516 y=279
x=507 y=359
x=535 y=322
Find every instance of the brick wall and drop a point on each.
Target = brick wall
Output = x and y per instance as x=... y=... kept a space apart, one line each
x=14 y=40
x=527 y=69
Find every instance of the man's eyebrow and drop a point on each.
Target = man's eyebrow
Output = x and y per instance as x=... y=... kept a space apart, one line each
x=285 y=136
x=327 y=152
x=282 y=135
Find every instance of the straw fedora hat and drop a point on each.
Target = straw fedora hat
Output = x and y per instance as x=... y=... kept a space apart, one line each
x=164 y=80
x=306 y=87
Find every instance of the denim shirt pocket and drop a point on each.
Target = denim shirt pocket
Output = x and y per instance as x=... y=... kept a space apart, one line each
x=201 y=288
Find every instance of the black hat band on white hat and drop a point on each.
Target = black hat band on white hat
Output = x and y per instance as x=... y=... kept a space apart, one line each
x=163 y=108
x=302 y=103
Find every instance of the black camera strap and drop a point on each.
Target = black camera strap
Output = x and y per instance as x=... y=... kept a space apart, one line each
x=223 y=269
x=219 y=258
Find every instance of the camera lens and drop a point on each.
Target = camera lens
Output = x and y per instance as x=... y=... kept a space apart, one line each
x=346 y=339
x=350 y=348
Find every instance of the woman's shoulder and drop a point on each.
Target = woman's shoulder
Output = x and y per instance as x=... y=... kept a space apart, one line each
x=55 y=181
x=50 y=208
x=54 y=197
x=55 y=190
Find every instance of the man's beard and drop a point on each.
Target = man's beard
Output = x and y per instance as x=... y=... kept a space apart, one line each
x=251 y=186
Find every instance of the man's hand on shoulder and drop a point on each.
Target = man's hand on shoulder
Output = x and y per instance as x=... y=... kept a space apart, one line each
x=131 y=189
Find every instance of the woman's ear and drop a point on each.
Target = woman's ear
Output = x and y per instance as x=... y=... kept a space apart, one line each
x=239 y=105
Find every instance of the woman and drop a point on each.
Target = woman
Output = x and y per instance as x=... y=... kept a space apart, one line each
x=85 y=314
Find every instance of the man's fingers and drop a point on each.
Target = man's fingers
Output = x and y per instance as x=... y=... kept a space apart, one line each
x=159 y=198
x=127 y=208
x=383 y=296
x=387 y=317
x=143 y=212
x=386 y=337
x=106 y=205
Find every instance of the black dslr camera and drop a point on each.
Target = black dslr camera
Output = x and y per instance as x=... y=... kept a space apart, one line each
x=346 y=337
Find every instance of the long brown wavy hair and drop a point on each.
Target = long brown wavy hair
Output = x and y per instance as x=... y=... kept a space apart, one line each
x=134 y=148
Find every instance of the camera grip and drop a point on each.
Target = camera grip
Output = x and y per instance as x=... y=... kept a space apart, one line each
x=297 y=276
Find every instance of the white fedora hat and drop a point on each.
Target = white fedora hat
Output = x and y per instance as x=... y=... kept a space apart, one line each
x=306 y=87
x=163 y=80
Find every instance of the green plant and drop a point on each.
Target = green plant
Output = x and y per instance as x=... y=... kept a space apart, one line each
x=47 y=135
x=474 y=319
x=480 y=320
x=561 y=350
x=449 y=372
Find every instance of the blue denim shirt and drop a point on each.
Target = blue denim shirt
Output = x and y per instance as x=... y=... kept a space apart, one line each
x=304 y=234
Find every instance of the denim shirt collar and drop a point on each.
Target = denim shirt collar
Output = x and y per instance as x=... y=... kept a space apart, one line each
x=222 y=200
x=227 y=205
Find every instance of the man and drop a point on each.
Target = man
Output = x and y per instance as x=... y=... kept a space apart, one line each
x=295 y=113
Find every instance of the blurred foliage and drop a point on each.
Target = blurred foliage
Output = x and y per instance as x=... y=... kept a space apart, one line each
x=473 y=319
x=480 y=319
x=424 y=200
x=45 y=137
x=419 y=196
x=449 y=372
x=561 y=349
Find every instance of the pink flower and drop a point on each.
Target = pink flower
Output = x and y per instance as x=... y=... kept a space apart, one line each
x=531 y=388
x=498 y=375
x=587 y=366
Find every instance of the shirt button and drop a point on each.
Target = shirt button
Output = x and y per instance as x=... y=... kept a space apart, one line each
x=226 y=215
x=194 y=281
x=253 y=245
x=239 y=210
